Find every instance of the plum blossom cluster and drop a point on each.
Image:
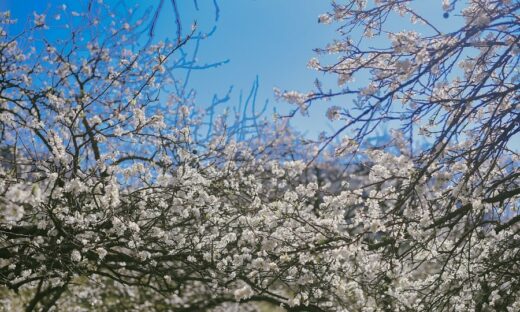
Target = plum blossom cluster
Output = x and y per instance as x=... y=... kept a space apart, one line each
x=440 y=218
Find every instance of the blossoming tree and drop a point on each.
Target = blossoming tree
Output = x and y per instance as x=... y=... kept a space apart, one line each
x=111 y=201
x=440 y=218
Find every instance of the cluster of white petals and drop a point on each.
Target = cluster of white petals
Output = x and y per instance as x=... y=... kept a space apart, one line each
x=112 y=199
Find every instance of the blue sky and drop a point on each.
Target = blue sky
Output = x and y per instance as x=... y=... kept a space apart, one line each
x=272 y=40
x=269 y=39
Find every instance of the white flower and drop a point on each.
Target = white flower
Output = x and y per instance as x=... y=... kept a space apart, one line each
x=39 y=19
x=143 y=255
x=446 y=5
x=314 y=63
x=333 y=113
x=118 y=131
x=134 y=227
x=324 y=19
x=75 y=256
x=285 y=258
x=139 y=116
x=482 y=20
x=101 y=253
x=243 y=293
x=370 y=90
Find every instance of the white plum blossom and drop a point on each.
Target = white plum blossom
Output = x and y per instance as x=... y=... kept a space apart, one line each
x=101 y=253
x=333 y=113
x=244 y=292
x=325 y=19
x=39 y=19
x=75 y=256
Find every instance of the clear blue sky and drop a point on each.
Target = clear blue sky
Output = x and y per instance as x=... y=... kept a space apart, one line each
x=271 y=39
